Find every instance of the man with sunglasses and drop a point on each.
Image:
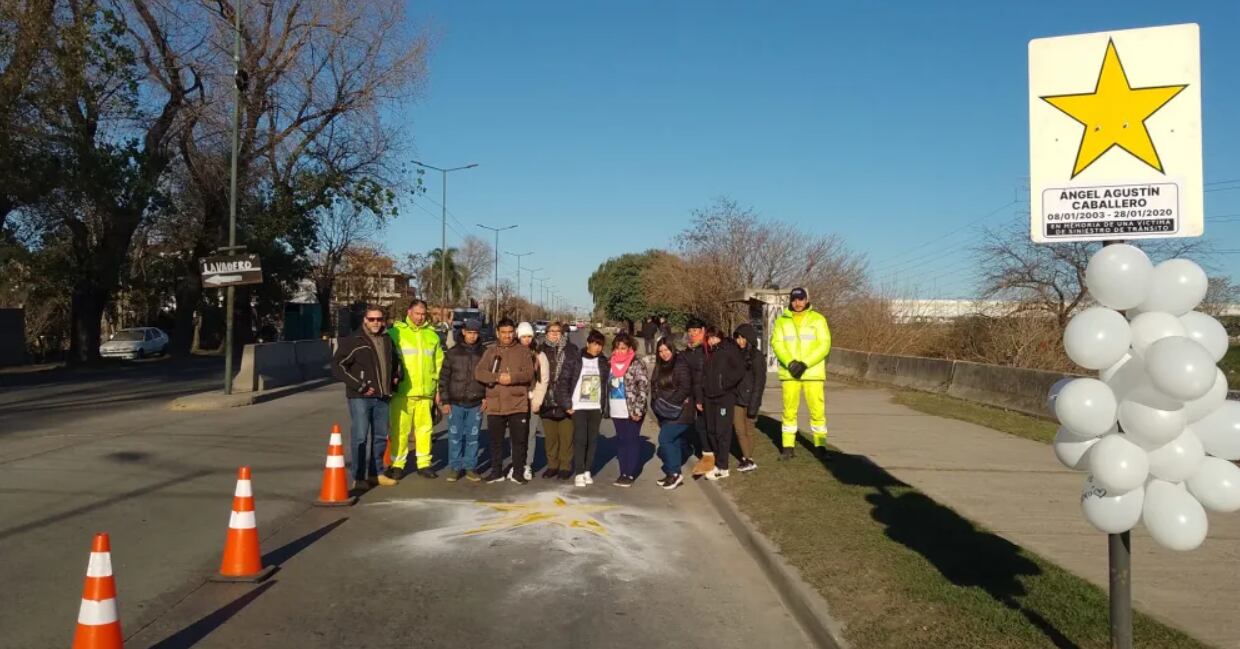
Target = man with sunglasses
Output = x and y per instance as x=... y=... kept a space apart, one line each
x=370 y=368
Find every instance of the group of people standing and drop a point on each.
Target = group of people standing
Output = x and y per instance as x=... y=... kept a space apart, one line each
x=705 y=397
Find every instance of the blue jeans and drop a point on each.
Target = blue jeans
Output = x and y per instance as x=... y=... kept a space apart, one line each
x=672 y=447
x=368 y=418
x=463 y=426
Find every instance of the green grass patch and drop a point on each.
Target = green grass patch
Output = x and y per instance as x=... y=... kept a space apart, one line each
x=900 y=570
x=1231 y=367
x=1014 y=423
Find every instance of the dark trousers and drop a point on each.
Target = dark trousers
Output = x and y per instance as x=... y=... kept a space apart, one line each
x=671 y=436
x=585 y=438
x=719 y=424
x=518 y=426
x=368 y=419
x=697 y=437
x=628 y=445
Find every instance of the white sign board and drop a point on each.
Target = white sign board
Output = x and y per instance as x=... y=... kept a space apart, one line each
x=1115 y=135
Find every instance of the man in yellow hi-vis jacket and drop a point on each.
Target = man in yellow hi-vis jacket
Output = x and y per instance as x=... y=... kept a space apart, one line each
x=801 y=341
x=421 y=356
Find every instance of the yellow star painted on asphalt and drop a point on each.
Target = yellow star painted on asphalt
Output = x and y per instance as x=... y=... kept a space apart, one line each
x=578 y=516
x=1114 y=114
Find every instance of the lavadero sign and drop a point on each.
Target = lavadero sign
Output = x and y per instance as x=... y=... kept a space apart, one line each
x=231 y=270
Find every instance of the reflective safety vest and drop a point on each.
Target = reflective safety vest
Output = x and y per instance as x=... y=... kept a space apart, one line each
x=809 y=343
x=422 y=357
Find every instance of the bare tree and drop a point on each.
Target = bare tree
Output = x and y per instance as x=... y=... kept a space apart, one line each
x=473 y=259
x=1050 y=278
x=342 y=226
x=1220 y=296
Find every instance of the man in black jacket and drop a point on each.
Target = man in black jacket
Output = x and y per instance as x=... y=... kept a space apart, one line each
x=721 y=374
x=370 y=367
x=695 y=356
x=462 y=399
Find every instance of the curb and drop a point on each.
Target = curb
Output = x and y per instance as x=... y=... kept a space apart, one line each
x=217 y=400
x=805 y=604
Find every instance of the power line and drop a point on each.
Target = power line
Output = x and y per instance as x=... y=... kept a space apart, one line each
x=971 y=224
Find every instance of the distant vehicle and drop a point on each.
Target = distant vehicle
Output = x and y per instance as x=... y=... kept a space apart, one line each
x=572 y=326
x=540 y=327
x=459 y=316
x=135 y=343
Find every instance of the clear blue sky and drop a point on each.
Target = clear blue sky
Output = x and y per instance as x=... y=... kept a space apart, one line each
x=600 y=125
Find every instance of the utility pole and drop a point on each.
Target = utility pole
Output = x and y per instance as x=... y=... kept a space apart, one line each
x=524 y=254
x=443 y=228
x=495 y=316
x=239 y=82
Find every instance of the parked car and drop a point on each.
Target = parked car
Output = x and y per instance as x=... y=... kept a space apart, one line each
x=540 y=327
x=138 y=342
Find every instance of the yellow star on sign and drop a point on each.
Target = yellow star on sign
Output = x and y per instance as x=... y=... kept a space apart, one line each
x=556 y=512
x=1114 y=114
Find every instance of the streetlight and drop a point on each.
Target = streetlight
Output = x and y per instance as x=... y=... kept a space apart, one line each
x=239 y=82
x=443 y=228
x=495 y=317
x=532 y=271
x=524 y=254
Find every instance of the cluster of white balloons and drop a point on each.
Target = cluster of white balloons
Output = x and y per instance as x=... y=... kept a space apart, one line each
x=1155 y=432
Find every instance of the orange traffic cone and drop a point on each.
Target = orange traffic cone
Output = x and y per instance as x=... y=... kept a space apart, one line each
x=98 y=626
x=242 y=559
x=335 y=489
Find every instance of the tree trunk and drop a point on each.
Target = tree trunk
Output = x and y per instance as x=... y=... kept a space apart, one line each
x=189 y=295
x=86 y=313
x=324 y=295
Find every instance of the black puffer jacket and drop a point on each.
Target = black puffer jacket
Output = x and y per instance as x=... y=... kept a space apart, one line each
x=457 y=385
x=749 y=391
x=572 y=371
x=552 y=408
x=679 y=392
x=695 y=357
x=723 y=370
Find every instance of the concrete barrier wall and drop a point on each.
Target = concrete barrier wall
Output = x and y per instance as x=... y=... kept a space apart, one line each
x=1012 y=388
x=265 y=366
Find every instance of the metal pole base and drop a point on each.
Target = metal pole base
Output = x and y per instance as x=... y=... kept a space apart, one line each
x=1120 y=552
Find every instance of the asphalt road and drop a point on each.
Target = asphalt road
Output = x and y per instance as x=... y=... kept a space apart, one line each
x=425 y=563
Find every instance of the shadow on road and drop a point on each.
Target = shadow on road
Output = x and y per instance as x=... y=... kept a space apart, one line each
x=192 y=634
x=964 y=555
x=287 y=551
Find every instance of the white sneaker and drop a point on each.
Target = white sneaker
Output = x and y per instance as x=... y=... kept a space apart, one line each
x=529 y=474
x=717 y=474
x=580 y=480
x=747 y=465
x=589 y=480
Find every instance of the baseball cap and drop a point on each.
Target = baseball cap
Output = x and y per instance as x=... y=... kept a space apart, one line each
x=472 y=324
x=799 y=293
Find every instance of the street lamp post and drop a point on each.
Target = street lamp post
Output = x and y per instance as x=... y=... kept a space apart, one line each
x=495 y=316
x=524 y=254
x=239 y=80
x=443 y=228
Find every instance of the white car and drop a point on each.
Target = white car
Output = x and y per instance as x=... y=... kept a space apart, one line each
x=135 y=343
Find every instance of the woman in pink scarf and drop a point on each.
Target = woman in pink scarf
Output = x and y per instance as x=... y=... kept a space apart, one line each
x=627 y=393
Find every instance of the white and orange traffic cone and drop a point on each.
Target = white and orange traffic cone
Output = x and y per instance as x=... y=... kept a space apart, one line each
x=335 y=489
x=98 y=625
x=242 y=559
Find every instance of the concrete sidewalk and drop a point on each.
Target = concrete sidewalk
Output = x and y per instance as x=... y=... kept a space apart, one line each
x=1017 y=489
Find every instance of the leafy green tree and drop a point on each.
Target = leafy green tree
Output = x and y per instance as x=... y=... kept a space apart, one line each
x=618 y=287
x=432 y=276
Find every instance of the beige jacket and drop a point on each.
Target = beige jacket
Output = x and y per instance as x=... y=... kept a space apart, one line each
x=539 y=390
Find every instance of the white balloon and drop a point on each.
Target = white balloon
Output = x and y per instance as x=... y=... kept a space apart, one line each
x=1216 y=485
x=1073 y=450
x=1150 y=419
x=1178 y=459
x=1117 y=276
x=1198 y=408
x=1111 y=512
x=1087 y=406
x=1053 y=394
x=1219 y=431
x=1125 y=376
x=1150 y=327
x=1180 y=368
x=1207 y=332
x=1173 y=516
x=1176 y=286
x=1097 y=338
x=1117 y=464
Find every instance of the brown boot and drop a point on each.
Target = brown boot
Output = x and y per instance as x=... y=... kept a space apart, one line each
x=704 y=465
